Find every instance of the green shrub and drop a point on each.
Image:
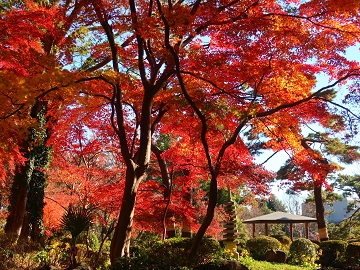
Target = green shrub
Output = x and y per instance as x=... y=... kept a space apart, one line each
x=346 y=230
x=242 y=235
x=59 y=249
x=172 y=252
x=89 y=238
x=284 y=240
x=145 y=239
x=352 y=253
x=315 y=242
x=333 y=252
x=302 y=251
x=42 y=257
x=259 y=245
x=21 y=255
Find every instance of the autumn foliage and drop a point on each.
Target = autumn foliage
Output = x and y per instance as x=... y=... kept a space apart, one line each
x=153 y=106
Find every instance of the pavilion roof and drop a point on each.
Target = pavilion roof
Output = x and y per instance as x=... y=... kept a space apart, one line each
x=280 y=217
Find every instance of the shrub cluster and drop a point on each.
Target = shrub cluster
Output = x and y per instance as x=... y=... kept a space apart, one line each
x=259 y=245
x=172 y=253
x=302 y=251
x=352 y=254
x=284 y=240
x=22 y=255
x=333 y=252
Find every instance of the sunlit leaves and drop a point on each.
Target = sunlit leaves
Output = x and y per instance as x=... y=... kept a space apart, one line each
x=205 y=72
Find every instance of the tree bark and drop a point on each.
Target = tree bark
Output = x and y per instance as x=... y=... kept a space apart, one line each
x=120 y=242
x=25 y=228
x=208 y=217
x=319 y=205
x=27 y=193
x=35 y=203
x=320 y=213
x=17 y=207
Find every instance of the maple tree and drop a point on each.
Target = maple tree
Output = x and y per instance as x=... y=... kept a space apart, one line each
x=201 y=72
x=28 y=50
x=84 y=164
x=311 y=169
x=26 y=200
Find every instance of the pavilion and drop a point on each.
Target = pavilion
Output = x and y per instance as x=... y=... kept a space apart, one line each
x=281 y=217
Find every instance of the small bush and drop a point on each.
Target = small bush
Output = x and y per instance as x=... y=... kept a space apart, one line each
x=59 y=247
x=42 y=257
x=20 y=255
x=333 y=252
x=259 y=245
x=315 y=242
x=169 y=253
x=352 y=253
x=174 y=251
x=90 y=239
x=146 y=238
x=284 y=240
x=302 y=251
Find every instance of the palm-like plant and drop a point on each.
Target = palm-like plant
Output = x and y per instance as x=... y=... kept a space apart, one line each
x=76 y=219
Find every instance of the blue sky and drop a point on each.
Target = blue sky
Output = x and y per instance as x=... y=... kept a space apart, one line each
x=279 y=159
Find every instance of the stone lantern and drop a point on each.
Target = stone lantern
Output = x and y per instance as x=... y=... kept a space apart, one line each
x=230 y=231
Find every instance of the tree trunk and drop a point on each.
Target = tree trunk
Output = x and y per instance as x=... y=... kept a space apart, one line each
x=17 y=207
x=36 y=191
x=120 y=242
x=27 y=193
x=18 y=197
x=208 y=217
x=319 y=205
x=320 y=213
x=25 y=228
x=35 y=204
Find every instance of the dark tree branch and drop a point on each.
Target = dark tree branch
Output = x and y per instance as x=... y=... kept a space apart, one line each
x=312 y=96
x=20 y=106
x=109 y=33
x=163 y=169
x=140 y=43
x=340 y=106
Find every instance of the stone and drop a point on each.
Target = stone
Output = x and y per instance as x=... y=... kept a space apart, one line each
x=277 y=256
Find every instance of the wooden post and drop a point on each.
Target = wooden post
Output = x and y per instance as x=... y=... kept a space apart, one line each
x=266 y=229
x=291 y=232
x=253 y=230
x=307 y=230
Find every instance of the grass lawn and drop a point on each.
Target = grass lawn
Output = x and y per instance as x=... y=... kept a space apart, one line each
x=260 y=265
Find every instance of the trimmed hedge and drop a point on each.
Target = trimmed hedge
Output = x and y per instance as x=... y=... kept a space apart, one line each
x=284 y=240
x=172 y=253
x=333 y=251
x=302 y=251
x=258 y=246
x=352 y=253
